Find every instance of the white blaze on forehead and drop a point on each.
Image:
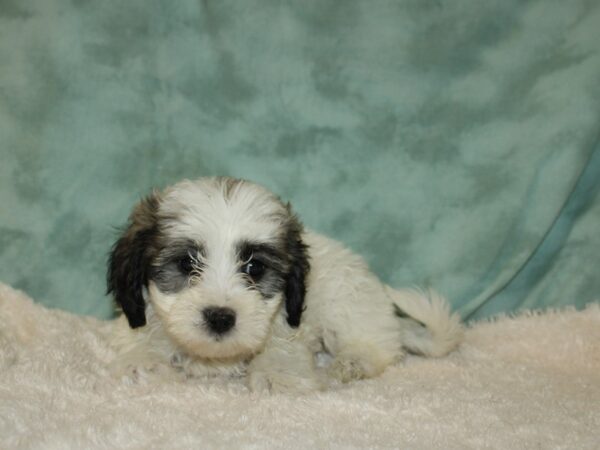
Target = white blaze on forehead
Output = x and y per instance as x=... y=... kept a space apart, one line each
x=218 y=214
x=213 y=209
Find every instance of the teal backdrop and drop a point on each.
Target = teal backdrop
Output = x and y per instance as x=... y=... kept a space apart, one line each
x=453 y=144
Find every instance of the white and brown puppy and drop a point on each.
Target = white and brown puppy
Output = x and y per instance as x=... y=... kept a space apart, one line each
x=218 y=277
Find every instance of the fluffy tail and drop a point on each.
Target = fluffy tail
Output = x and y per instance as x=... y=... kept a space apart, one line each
x=429 y=328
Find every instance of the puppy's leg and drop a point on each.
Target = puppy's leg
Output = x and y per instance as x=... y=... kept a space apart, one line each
x=285 y=365
x=361 y=333
x=140 y=355
x=417 y=321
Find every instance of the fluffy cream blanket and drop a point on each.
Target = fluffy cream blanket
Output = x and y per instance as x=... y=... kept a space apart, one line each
x=526 y=382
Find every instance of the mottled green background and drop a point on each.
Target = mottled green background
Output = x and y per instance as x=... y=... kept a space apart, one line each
x=452 y=143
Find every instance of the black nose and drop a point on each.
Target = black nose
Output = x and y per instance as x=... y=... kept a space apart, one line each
x=219 y=320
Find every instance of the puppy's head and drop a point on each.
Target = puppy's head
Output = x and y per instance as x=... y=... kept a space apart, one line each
x=216 y=258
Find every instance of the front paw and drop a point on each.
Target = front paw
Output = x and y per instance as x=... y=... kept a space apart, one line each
x=130 y=373
x=281 y=382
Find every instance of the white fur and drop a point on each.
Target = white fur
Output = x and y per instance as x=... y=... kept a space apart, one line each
x=349 y=313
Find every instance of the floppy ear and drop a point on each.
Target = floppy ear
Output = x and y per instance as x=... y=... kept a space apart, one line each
x=295 y=287
x=129 y=261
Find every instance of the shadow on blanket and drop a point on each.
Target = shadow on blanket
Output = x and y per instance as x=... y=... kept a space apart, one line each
x=530 y=381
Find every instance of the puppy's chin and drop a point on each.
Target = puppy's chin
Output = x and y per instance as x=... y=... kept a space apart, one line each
x=180 y=315
x=225 y=348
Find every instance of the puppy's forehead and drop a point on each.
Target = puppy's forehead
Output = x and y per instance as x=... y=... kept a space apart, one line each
x=222 y=209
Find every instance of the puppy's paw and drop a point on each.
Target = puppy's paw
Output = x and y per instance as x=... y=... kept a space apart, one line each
x=130 y=373
x=346 y=369
x=361 y=360
x=282 y=382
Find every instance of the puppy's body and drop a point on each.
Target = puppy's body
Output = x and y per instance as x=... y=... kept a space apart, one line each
x=281 y=294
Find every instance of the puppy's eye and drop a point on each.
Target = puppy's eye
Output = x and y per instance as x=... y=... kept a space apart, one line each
x=254 y=269
x=186 y=264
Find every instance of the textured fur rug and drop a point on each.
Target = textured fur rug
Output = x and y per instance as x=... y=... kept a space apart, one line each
x=526 y=382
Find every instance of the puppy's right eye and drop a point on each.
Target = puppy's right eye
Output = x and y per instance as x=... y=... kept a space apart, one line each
x=186 y=264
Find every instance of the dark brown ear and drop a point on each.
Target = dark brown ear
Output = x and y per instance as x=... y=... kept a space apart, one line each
x=130 y=258
x=295 y=285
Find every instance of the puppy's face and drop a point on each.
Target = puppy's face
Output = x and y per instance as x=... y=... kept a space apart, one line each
x=217 y=259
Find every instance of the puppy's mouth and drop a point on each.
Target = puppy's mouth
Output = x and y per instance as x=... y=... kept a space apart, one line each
x=219 y=348
x=209 y=345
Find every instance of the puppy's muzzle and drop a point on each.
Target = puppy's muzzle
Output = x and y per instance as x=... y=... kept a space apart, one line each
x=219 y=320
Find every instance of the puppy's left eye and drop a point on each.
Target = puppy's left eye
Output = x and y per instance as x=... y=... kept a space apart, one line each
x=254 y=269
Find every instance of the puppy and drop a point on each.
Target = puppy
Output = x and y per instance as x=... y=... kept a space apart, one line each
x=217 y=277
